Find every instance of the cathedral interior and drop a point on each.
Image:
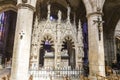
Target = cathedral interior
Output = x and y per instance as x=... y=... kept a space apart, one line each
x=62 y=28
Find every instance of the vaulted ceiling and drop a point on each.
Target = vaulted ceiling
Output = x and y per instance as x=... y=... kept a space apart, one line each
x=111 y=10
x=111 y=14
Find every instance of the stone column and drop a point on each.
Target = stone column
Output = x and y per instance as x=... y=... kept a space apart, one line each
x=21 y=52
x=96 y=48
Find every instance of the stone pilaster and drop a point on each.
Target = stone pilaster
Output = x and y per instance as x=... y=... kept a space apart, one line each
x=21 y=52
x=57 y=48
x=80 y=52
x=96 y=49
x=57 y=42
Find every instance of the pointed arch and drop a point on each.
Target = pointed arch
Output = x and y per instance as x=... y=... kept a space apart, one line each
x=47 y=44
x=91 y=5
x=7 y=7
x=68 y=44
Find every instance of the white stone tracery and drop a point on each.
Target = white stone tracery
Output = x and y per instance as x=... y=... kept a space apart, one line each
x=25 y=12
x=58 y=30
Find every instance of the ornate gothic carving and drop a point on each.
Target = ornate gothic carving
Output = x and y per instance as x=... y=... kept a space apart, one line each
x=57 y=38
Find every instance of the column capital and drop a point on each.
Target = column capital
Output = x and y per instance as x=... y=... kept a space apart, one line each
x=23 y=5
x=94 y=13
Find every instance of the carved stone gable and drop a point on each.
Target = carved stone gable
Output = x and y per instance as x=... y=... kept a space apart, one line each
x=63 y=38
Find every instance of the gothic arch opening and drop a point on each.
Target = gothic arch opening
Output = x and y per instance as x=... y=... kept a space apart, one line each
x=46 y=48
x=117 y=43
x=7 y=33
x=8 y=7
x=111 y=18
x=68 y=46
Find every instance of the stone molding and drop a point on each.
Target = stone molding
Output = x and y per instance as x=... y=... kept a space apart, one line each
x=7 y=7
x=94 y=13
x=24 y=1
x=22 y=5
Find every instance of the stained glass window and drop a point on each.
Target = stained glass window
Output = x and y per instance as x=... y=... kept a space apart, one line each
x=2 y=20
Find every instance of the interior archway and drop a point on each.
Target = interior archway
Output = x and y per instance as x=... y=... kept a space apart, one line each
x=111 y=10
x=46 y=46
x=68 y=45
x=7 y=33
x=8 y=5
x=117 y=45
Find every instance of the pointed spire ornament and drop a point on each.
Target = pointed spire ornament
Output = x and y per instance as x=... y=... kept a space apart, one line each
x=48 y=16
x=59 y=16
x=79 y=27
x=68 y=13
x=80 y=39
x=80 y=36
x=74 y=19
x=36 y=22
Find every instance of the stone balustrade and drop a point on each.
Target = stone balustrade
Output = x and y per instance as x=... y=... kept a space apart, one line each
x=55 y=74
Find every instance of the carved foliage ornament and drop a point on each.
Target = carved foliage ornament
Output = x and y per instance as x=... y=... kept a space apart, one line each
x=24 y=1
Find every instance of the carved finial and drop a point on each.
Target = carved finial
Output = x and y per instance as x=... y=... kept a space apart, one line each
x=36 y=22
x=80 y=36
x=74 y=19
x=79 y=27
x=48 y=11
x=59 y=16
x=68 y=13
x=80 y=40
